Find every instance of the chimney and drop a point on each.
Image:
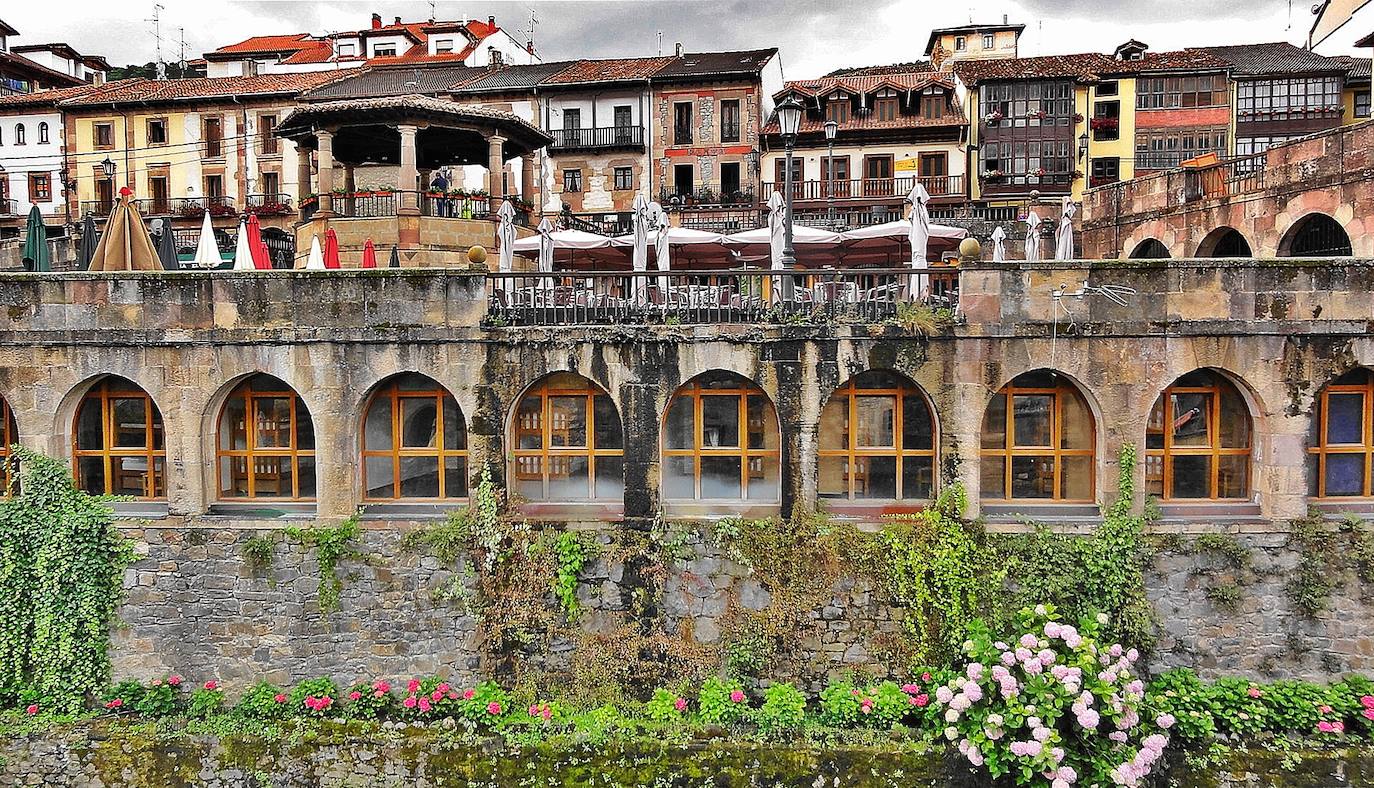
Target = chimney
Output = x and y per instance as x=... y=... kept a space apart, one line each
x=376 y=21
x=398 y=21
x=529 y=47
x=678 y=49
x=1004 y=19
x=491 y=22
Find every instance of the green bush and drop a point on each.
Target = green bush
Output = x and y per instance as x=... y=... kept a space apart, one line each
x=666 y=706
x=1238 y=707
x=722 y=701
x=161 y=698
x=206 y=702
x=314 y=698
x=369 y=700
x=783 y=710
x=1181 y=693
x=265 y=702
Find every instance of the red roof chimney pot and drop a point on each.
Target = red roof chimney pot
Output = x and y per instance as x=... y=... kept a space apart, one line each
x=398 y=21
x=376 y=21
x=491 y=21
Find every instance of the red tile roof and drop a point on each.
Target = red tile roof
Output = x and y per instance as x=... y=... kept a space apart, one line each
x=142 y=91
x=306 y=49
x=1085 y=66
x=48 y=97
x=609 y=70
x=258 y=44
x=866 y=84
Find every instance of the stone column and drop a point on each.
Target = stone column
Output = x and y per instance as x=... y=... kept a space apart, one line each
x=496 y=158
x=302 y=174
x=408 y=174
x=326 y=173
x=527 y=177
x=350 y=184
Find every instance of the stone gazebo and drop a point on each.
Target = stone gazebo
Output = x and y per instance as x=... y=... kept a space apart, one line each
x=414 y=134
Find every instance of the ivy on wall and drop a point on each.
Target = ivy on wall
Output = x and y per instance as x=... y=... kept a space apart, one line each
x=61 y=571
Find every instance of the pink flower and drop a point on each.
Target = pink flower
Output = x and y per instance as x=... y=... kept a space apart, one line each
x=547 y=713
x=910 y=689
x=1368 y=714
x=436 y=695
x=114 y=704
x=737 y=697
x=680 y=704
x=1324 y=726
x=409 y=702
x=453 y=695
x=279 y=698
x=1338 y=726
x=174 y=680
x=1367 y=701
x=381 y=686
x=443 y=688
x=921 y=700
x=866 y=709
x=493 y=708
x=1324 y=709
x=412 y=686
x=325 y=702
x=1254 y=692
x=1165 y=721
x=32 y=709
x=534 y=710
x=926 y=677
x=468 y=694
x=211 y=685
x=378 y=694
x=424 y=704
x=157 y=682
x=355 y=695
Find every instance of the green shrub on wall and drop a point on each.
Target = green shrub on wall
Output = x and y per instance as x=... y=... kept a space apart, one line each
x=61 y=570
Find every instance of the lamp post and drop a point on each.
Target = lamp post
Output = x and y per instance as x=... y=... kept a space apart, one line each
x=789 y=121
x=108 y=167
x=830 y=128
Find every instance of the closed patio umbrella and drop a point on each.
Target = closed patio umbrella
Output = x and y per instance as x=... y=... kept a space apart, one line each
x=640 y=259
x=662 y=248
x=243 y=253
x=1032 y=236
x=546 y=244
x=36 y=241
x=126 y=245
x=167 y=247
x=256 y=246
x=999 y=244
x=315 y=260
x=207 y=251
x=331 y=249
x=369 y=254
x=920 y=237
x=89 y=238
x=395 y=261
x=1063 y=236
x=505 y=237
x=777 y=229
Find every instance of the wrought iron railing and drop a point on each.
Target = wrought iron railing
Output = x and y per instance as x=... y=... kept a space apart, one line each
x=269 y=204
x=872 y=188
x=611 y=224
x=97 y=208
x=605 y=137
x=714 y=297
x=366 y=205
x=453 y=207
x=195 y=207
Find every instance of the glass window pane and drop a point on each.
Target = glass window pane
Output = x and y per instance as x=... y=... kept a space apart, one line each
x=875 y=477
x=1032 y=419
x=130 y=425
x=91 y=471
x=529 y=424
x=608 y=435
x=1154 y=428
x=1345 y=418
x=610 y=478
x=877 y=417
x=568 y=421
x=1233 y=476
x=678 y=477
x=377 y=426
x=130 y=476
x=305 y=428
x=1192 y=477
x=720 y=477
x=1077 y=427
x=455 y=477
x=1032 y=477
x=1076 y=478
x=529 y=478
x=1234 y=421
x=568 y=480
x=918 y=478
x=1154 y=475
x=455 y=428
x=678 y=427
x=273 y=426
x=419 y=477
x=307 y=473
x=992 y=478
x=833 y=481
x=1190 y=412
x=763 y=479
x=233 y=433
x=1345 y=474
x=834 y=426
x=90 y=435
x=233 y=477
x=720 y=421
x=419 y=423
x=413 y=381
x=918 y=428
x=995 y=423
x=272 y=477
x=763 y=425
x=379 y=477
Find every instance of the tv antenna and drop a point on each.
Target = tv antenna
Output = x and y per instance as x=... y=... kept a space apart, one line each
x=181 y=50
x=432 y=15
x=156 y=19
x=534 y=20
x=1117 y=294
x=660 y=43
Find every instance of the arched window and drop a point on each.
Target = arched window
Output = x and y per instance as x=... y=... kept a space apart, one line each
x=1038 y=441
x=1224 y=242
x=1197 y=441
x=568 y=442
x=42 y=134
x=414 y=442
x=720 y=441
x=1150 y=249
x=1342 y=445
x=877 y=440
x=9 y=433
x=1315 y=235
x=265 y=445
x=119 y=447
x=19 y=134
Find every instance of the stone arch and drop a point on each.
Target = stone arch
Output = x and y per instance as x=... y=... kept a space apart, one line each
x=412 y=441
x=1315 y=235
x=1201 y=433
x=887 y=452
x=253 y=463
x=1039 y=439
x=1150 y=249
x=566 y=441
x=1224 y=241
x=720 y=433
x=116 y=437
x=1340 y=440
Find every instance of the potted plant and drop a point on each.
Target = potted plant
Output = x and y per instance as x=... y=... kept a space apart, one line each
x=310 y=199
x=993 y=117
x=705 y=196
x=1104 y=123
x=385 y=190
x=1077 y=117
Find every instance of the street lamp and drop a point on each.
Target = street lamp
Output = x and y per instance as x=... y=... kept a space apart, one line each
x=107 y=167
x=831 y=127
x=1083 y=145
x=789 y=121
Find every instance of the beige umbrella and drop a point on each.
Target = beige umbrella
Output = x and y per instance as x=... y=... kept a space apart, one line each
x=126 y=245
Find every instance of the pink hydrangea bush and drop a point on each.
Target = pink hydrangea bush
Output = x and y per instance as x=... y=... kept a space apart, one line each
x=1052 y=706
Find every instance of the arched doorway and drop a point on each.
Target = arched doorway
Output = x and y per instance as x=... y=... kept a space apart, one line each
x=1224 y=242
x=1150 y=249
x=1315 y=235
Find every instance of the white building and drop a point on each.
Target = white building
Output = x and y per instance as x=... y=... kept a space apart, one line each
x=31 y=158
x=59 y=57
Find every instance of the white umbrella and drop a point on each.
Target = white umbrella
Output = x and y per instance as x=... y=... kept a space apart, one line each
x=662 y=247
x=1032 y=236
x=920 y=236
x=546 y=244
x=640 y=259
x=505 y=236
x=243 y=255
x=315 y=261
x=999 y=244
x=777 y=229
x=1063 y=236
x=207 y=253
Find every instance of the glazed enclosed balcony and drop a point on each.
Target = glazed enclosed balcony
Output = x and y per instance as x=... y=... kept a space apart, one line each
x=415 y=134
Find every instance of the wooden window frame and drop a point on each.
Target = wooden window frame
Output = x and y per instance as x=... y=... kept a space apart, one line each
x=9 y=435
x=1213 y=450
x=628 y=183
x=392 y=391
x=215 y=143
x=252 y=451
x=155 y=482
x=1055 y=450
x=731 y=124
x=43 y=133
x=20 y=134
x=695 y=391
x=95 y=135
x=40 y=177
x=166 y=132
x=268 y=144
x=546 y=390
x=572 y=185
x=851 y=393
x=1322 y=450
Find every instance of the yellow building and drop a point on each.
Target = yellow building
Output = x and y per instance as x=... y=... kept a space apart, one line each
x=973 y=42
x=1355 y=96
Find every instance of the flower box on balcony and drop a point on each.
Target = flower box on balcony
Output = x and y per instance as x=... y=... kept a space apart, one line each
x=223 y=209
x=1104 y=123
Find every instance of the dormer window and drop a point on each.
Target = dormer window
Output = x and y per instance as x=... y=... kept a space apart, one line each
x=933 y=102
x=384 y=50
x=837 y=108
x=886 y=104
x=348 y=50
x=443 y=45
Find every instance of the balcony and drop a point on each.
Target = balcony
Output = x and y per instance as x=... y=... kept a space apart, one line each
x=9 y=207
x=1168 y=160
x=885 y=189
x=997 y=182
x=269 y=205
x=597 y=139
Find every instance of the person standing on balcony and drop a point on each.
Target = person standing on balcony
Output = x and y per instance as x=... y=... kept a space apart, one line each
x=439 y=185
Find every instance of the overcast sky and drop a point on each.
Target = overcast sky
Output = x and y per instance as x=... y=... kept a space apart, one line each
x=814 y=36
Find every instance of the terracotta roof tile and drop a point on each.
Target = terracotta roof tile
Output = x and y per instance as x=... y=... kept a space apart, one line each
x=285 y=43
x=48 y=97
x=609 y=70
x=866 y=83
x=1177 y=60
x=1085 y=66
x=150 y=90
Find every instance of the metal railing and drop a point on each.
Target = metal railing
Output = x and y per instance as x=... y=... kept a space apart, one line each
x=849 y=218
x=714 y=297
x=364 y=205
x=721 y=220
x=97 y=208
x=453 y=207
x=611 y=224
x=1225 y=178
x=195 y=207
x=9 y=207
x=604 y=137
x=870 y=188
x=1168 y=160
x=281 y=244
x=269 y=204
